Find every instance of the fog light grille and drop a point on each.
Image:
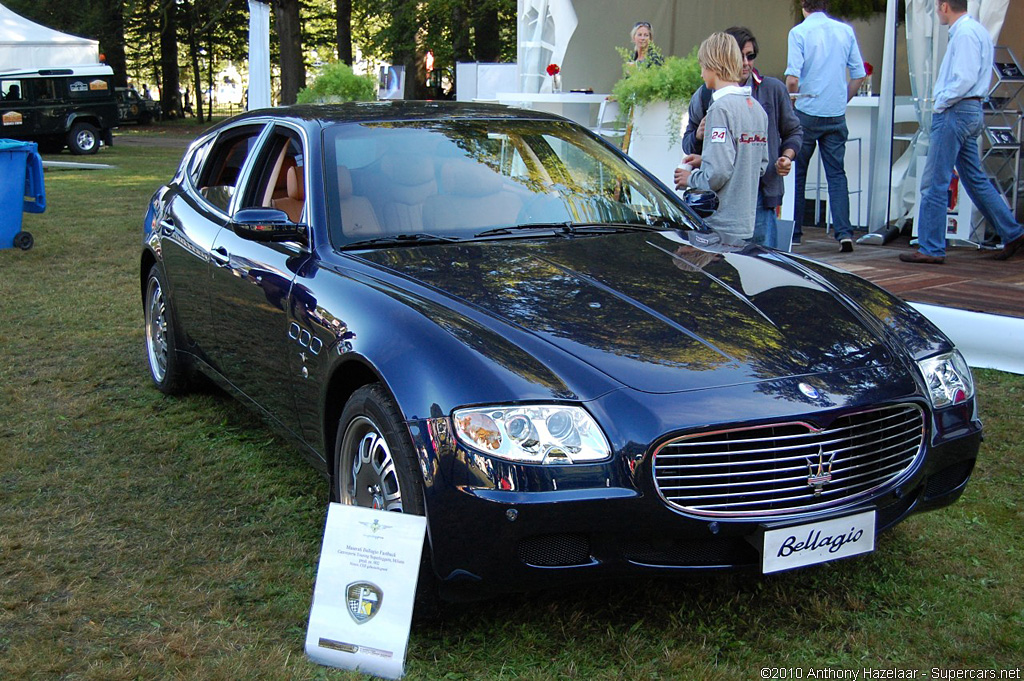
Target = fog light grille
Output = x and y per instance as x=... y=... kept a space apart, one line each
x=555 y=550
x=791 y=467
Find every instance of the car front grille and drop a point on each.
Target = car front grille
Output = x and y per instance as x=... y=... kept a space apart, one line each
x=787 y=468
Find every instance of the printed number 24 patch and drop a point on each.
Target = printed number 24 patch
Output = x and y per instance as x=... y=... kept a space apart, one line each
x=719 y=134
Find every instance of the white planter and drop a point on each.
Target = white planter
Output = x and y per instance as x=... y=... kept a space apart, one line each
x=652 y=146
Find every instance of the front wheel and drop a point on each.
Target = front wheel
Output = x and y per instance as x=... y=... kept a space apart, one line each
x=375 y=467
x=373 y=461
x=166 y=367
x=83 y=139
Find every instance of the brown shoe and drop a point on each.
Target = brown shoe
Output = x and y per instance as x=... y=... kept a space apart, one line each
x=918 y=256
x=1009 y=249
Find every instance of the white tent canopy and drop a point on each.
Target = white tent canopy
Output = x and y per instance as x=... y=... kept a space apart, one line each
x=25 y=44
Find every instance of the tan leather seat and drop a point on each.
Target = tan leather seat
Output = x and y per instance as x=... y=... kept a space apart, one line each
x=408 y=182
x=296 y=199
x=474 y=198
x=357 y=215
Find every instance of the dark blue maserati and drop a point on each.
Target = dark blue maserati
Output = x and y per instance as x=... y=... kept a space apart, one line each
x=493 y=318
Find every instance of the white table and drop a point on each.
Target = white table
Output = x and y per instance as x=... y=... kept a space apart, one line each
x=862 y=122
x=576 y=106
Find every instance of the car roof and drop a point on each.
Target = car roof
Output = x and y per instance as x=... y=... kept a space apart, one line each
x=394 y=110
x=75 y=70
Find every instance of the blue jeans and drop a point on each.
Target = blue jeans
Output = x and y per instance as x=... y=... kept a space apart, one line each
x=765 y=230
x=830 y=134
x=954 y=141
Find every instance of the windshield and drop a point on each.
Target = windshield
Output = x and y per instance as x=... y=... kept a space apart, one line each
x=459 y=178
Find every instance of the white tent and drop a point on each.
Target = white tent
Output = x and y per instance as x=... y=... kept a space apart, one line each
x=25 y=44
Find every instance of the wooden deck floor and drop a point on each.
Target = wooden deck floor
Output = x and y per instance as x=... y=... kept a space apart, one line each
x=969 y=279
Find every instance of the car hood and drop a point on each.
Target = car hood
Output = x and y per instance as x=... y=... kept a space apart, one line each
x=651 y=311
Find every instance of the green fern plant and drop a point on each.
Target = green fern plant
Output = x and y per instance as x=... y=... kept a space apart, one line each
x=673 y=82
x=337 y=83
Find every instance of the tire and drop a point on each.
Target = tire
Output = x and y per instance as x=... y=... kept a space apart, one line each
x=83 y=139
x=167 y=368
x=374 y=463
x=375 y=467
x=23 y=240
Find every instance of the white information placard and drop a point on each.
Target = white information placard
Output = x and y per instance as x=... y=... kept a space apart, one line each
x=365 y=589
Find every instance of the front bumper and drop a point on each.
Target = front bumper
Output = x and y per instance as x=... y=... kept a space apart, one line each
x=495 y=527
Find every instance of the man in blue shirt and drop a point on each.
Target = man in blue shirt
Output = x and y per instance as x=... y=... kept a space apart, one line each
x=957 y=122
x=821 y=52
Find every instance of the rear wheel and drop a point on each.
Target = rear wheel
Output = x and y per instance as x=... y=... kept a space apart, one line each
x=166 y=367
x=375 y=467
x=83 y=139
x=23 y=240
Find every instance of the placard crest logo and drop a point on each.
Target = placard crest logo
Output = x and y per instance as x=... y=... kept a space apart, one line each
x=364 y=601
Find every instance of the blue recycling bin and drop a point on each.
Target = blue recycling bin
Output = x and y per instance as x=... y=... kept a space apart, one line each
x=21 y=190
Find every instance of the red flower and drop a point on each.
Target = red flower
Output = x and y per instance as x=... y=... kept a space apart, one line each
x=553 y=69
x=869 y=68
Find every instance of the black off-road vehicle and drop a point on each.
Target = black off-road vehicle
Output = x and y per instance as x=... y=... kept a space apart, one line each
x=57 y=107
x=134 y=108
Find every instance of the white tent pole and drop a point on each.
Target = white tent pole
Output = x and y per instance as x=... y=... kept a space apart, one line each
x=259 y=55
x=880 y=164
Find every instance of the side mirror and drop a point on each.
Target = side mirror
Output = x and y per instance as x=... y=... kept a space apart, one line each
x=268 y=225
x=703 y=202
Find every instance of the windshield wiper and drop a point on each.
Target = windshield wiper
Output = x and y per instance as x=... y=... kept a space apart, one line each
x=660 y=222
x=499 y=231
x=418 y=238
x=570 y=228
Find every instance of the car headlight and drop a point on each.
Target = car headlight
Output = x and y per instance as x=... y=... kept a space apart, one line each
x=948 y=378
x=545 y=434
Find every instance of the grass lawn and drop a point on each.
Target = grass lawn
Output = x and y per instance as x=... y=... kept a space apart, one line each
x=143 y=536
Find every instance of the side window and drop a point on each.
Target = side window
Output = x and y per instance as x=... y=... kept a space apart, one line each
x=45 y=89
x=219 y=175
x=11 y=90
x=279 y=176
x=195 y=163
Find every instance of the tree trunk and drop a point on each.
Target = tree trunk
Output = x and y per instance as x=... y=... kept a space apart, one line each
x=170 y=83
x=289 y=34
x=343 y=12
x=197 y=74
x=461 y=45
x=488 y=36
x=404 y=28
x=112 y=41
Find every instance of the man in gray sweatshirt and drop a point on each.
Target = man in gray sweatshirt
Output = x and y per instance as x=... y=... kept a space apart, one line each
x=735 y=141
x=784 y=133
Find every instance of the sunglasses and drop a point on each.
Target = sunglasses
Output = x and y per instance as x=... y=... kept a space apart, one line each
x=641 y=23
x=749 y=57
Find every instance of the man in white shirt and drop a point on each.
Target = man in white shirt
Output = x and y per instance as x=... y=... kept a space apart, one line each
x=821 y=53
x=958 y=120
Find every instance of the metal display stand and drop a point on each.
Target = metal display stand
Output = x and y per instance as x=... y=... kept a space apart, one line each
x=1001 y=143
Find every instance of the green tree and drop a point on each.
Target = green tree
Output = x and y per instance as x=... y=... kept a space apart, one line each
x=847 y=9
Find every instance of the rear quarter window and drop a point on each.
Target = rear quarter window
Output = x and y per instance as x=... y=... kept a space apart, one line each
x=89 y=87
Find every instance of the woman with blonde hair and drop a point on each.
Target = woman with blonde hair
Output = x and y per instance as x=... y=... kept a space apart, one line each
x=735 y=153
x=644 y=51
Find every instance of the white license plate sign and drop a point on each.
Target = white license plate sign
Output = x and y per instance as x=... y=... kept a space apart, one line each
x=799 y=545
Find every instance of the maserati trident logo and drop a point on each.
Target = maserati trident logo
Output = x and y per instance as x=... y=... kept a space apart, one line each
x=364 y=601
x=819 y=469
x=809 y=390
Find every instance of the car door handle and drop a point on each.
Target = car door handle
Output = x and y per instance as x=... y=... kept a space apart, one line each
x=221 y=256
